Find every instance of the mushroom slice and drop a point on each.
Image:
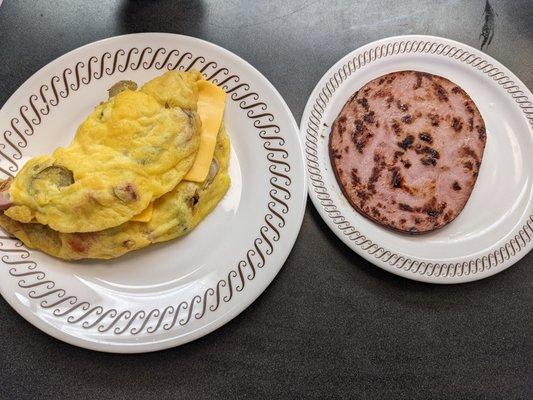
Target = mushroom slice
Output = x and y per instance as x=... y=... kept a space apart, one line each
x=213 y=171
x=121 y=86
x=126 y=192
x=56 y=175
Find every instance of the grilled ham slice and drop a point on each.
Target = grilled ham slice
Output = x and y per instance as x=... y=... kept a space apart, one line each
x=406 y=150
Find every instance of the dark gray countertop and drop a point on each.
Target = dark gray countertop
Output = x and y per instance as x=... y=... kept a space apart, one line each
x=331 y=325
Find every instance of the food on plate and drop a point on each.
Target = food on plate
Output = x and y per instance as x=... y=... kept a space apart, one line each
x=173 y=215
x=406 y=150
x=146 y=166
x=130 y=150
x=209 y=108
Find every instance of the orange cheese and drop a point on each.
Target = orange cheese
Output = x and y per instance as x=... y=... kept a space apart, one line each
x=211 y=103
x=145 y=215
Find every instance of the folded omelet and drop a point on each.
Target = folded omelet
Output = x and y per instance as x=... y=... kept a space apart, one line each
x=145 y=167
x=131 y=150
x=174 y=214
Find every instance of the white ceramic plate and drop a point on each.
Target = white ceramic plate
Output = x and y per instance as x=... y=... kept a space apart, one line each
x=495 y=228
x=171 y=293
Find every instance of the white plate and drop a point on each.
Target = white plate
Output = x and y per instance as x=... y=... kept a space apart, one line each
x=171 y=293
x=495 y=228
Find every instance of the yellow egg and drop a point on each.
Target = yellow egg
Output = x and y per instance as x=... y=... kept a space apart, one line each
x=129 y=151
x=174 y=214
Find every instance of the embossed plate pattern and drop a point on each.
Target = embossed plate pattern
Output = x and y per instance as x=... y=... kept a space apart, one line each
x=495 y=228
x=171 y=293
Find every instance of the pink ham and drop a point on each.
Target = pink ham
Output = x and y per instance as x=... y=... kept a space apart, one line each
x=406 y=150
x=5 y=198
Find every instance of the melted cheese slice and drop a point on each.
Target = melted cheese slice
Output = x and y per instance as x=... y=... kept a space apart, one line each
x=145 y=215
x=211 y=103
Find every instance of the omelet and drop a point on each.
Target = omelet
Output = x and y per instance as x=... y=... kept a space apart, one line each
x=130 y=151
x=173 y=215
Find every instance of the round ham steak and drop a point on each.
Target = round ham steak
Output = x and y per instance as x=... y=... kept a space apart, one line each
x=406 y=150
